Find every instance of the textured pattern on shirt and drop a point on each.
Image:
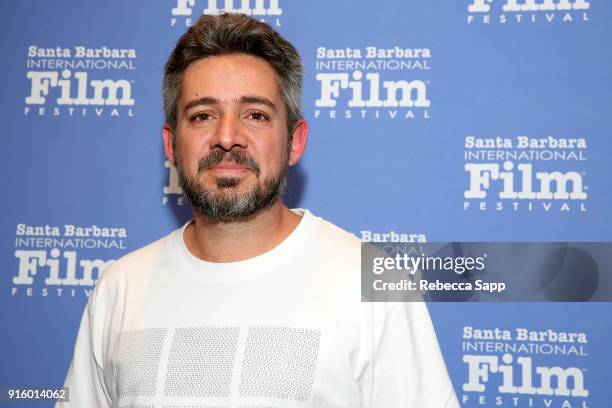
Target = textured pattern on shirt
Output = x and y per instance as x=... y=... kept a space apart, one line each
x=136 y=361
x=201 y=362
x=279 y=362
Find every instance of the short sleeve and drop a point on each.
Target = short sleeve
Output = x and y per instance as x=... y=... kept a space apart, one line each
x=85 y=378
x=406 y=368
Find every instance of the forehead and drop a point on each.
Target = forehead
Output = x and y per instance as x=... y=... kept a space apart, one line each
x=230 y=77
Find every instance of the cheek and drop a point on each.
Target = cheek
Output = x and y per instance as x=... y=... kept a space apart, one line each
x=274 y=149
x=190 y=149
x=188 y=162
x=274 y=156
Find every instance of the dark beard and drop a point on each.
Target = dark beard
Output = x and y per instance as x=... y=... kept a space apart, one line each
x=229 y=206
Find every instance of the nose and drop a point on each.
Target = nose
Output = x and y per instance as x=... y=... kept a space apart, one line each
x=229 y=134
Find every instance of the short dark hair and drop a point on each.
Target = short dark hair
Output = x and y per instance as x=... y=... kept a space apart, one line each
x=227 y=34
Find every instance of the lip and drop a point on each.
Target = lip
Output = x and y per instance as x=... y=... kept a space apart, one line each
x=229 y=166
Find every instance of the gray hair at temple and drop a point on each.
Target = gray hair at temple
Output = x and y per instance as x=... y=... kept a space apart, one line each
x=227 y=34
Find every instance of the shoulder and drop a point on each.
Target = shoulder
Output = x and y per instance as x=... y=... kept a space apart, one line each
x=135 y=265
x=336 y=259
x=338 y=252
x=336 y=238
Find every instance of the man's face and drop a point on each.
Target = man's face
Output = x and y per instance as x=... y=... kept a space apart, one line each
x=230 y=144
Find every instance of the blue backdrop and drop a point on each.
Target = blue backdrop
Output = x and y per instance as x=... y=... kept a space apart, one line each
x=454 y=120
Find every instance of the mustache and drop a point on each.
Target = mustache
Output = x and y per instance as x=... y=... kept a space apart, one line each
x=236 y=156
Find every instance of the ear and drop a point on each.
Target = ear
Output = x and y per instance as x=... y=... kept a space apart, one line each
x=300 y=138
x=168 y=136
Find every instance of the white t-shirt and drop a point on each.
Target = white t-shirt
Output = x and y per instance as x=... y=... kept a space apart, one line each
x=285 y=329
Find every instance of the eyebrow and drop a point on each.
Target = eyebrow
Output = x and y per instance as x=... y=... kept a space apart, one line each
x=207 y=100
x=260 y=100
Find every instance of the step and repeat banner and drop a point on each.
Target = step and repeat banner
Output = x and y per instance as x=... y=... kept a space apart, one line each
x=431 y=121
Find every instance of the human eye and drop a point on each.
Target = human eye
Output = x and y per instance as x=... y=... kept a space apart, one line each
x=258 y=116
x=201 y=117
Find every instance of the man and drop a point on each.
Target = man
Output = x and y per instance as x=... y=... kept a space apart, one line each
x=250 y=304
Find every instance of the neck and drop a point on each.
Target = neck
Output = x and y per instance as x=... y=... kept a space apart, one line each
x=236 y=240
